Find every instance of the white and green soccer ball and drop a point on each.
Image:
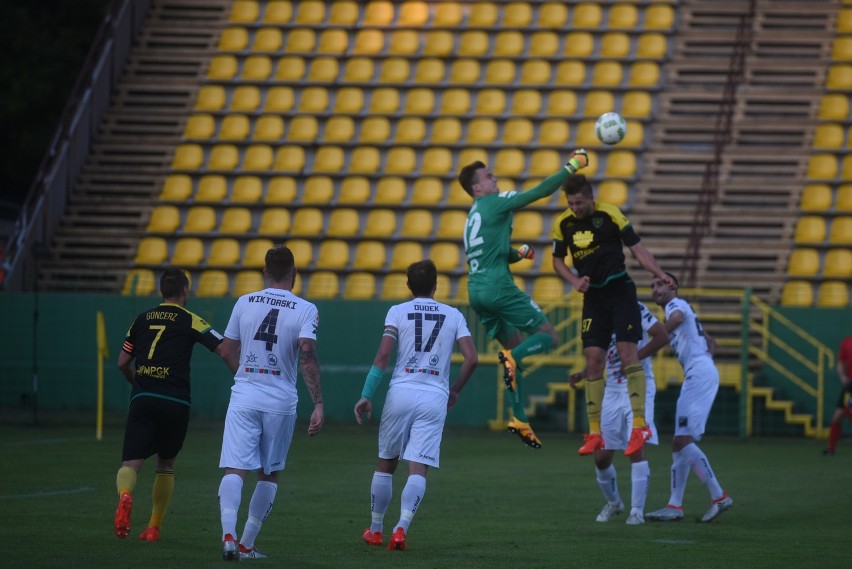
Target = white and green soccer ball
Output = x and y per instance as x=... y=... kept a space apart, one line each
x=610 y=128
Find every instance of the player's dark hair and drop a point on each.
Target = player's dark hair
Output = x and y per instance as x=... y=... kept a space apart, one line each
x=577 y=184
x=674 y=278
x=467 y=176
x=173 y=282
x=279 y=263
x=422 y=277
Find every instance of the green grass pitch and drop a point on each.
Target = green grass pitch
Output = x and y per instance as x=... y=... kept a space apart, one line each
x=493 y=504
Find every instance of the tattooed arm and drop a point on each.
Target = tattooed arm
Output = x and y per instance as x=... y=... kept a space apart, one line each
x=309 y=362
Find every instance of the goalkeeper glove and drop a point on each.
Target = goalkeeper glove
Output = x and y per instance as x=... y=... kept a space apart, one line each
x=578 y=159
x=526 y=252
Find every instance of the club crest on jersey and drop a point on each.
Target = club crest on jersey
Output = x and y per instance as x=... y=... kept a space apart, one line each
x=271 y=359
x=597 y=222
x=433 y=360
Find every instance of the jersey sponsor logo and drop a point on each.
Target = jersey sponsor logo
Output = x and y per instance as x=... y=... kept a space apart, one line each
x=422 y=370
x=159 y=372
x=262 y=371
x=272 y=359
x=251 y=358
x=434 y=359
x=426 y=456
x=582 y=239
x=161 y=315
x=291 y=304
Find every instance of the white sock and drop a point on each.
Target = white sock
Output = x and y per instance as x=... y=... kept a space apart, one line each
x=259 y=508
x=230 y=494
x=680 y=472
x=608 y=482
x=701 y=466
x=640 y=474
x=412 y=496
x=381 y=491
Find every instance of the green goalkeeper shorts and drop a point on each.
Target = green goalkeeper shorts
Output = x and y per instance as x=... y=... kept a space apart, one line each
x=505 y=309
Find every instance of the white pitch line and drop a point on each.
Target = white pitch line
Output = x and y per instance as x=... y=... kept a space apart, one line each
x=43 y=494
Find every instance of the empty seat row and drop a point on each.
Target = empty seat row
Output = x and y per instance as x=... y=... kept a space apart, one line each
x=831 y=264
x=560 y=104
x=829 y=294
x=817 y=230
x=825 y=198
x=444 y=43
x=549 y=15
x=435 y=71
x=341 y=129
x=397 y=160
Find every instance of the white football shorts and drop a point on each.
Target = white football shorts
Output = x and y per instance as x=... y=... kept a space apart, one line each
x=256 y=439
x=412 y=425
x=617 y=417
x=696 y=400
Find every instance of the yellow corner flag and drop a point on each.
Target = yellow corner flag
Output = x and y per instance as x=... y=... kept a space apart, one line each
x=103 y=353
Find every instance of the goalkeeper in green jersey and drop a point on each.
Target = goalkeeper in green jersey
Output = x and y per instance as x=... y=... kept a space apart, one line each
x=504 y=310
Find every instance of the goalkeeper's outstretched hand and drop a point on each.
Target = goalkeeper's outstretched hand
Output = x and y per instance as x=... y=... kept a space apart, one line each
x=578 y=159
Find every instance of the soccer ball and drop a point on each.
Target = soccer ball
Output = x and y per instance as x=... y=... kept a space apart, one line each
x=610 y=128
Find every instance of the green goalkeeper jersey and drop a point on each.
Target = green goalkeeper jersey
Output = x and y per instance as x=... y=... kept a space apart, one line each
x=488 y=232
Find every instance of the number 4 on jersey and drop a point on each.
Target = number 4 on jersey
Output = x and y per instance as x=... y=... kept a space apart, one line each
x=266 y=331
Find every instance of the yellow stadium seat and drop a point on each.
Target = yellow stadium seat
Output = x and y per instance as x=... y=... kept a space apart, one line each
x=247 y=190
x=659 y=17
x=578 y=45
x=404 y=42
x=291 y=158
x=343 y=13
x=508 y=43
x=828 y=136
x=258 y=158
x=365 y=160
x=222 y=68
x=842 y=48
x=620 y=164
x=200 y=219
x=234 y=128
x=199 y=127
x=395 y=287
x=518 y=131
x=438 y=43
x=466 y=71
x=368 y=42
x=139 y=282
x=571 y=73
x=274 y=222
x=345 y=221
x=598 y=102
x=448 y=15
x=303 y=129
x=844 y=19
x=384 y=101
x=834 y=106
x=151 y=251
x=188 y=252
x=211 y=283
x=644 y=74
x=838 y=263
x=469 y=155
x=310 y=12
x=841 y=231
x=490 y=102
x=244 y=12
x=587 y=15
x=457 y=195
x=612 y=192
x=211 y=189
x=528 y=225
x=816 y=197
x=176 y=188
x=822 y=167
x=561 y=104
x=427 y=192
x=267 y=40
x=246 y=282
x=832 y=294
x=375 y=130
x=245 y=99
x=268 y=128
x=369 y=256
x=451 y=224
x=651 y=46
x=256 y=68
x=436 y=161
x=163 y=219
x=290 y=69
x=419 y=102
x=843 y=203
x=188 y=157
x=554 y=132
x=318 y=190
x=416 y=223
x=224 y=157
x=210 y=98
x=380 y=223
x=324 y=70
x=339 y=129
x=553 y=15
x=390 y=190
x=636 y=105
x=803 y=263
x=255 y=253
x=455 y=102
x=509 y=162
x=446 y=256
x=810 y=229
x=606 y=74
x=481 y=131
x=235 y=220
x=405 y=253
x=473 y=43
x=535 y=72
x=354 y=190
x=349 y=101
x=360 y=286
x=446 y=130
x=323 y=284
x=307 y=221
x=797 y=293
x=413 y=13
x=313 y=100
x=544 y=162
x=333 y=42
x=300 y=40
x=585 y=134
x=359 y=70
x=544 y=44
x=410 y=130
x=839 y=77
x=615 y=45
x=483 y=15
x=548 y=288
x=378 y=13
x=526 y=102
x=461 y=288
x=635 y=136
x=333 y=254
x=622 y=17
x=278 y=12
x=279 y=100
x=395 y=70
x=303 y=251
x=846 y=168
x=429 y=70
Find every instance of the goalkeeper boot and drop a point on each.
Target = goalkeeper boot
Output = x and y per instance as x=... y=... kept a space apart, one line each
x=668 y=514
x=230 y=551
x=372 y=537
x=610 y=510
x=397 y=540
x=723 y=504
x=638 y=437
x=509 y=369
x=253 y=553
x=150 y=534
x=122 y=515
x=591 y=443
x=524 y=431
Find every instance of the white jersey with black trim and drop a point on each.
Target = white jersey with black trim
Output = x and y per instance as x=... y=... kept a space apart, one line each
x=614 y=374
x=687 y=340
x=268 y=325
x=427 y=330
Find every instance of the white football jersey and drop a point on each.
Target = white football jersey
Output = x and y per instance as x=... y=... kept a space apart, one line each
x=268 y=324
x=614 y=375
x=427 y=330
x=687 y=340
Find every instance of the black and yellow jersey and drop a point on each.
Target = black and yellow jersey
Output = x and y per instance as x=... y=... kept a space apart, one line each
x=596 y=243
x=161 y=342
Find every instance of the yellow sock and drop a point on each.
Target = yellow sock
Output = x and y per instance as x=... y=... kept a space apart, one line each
x=164 y=485
x=594 y=396
x=636 y=387
x=125 y=480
